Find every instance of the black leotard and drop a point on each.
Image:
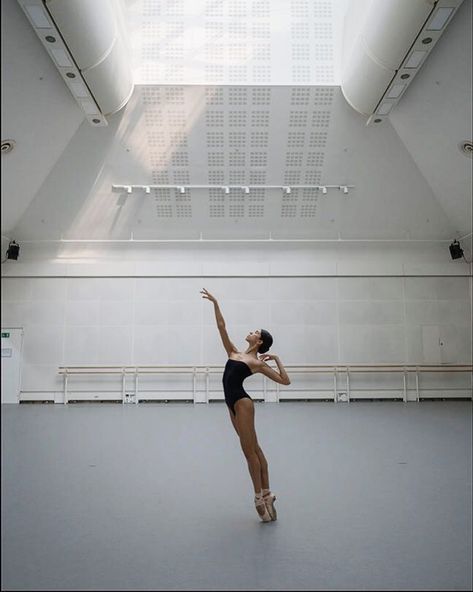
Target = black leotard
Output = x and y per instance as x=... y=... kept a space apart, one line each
x=235 y=373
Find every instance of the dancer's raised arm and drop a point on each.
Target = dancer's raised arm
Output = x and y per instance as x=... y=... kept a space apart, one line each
x=227 y=344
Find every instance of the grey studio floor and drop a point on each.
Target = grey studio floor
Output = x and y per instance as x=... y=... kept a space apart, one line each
x=371 y=496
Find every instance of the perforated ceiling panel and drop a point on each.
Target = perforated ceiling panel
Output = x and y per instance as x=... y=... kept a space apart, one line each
x=236 y=41
x=236 y=136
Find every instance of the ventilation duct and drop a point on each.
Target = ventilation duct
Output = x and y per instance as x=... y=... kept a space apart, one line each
x=87 y=42
x=384 y=45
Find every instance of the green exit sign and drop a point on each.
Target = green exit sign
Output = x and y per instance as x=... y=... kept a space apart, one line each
x=5 y=334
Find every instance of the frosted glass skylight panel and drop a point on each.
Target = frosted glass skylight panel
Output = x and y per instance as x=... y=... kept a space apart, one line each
x=238 y=42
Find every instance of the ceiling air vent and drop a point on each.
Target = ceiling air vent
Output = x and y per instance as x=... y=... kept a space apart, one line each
x=7 y=146
x=465 y=147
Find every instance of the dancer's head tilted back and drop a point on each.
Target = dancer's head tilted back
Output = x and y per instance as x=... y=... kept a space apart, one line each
x=262 y=338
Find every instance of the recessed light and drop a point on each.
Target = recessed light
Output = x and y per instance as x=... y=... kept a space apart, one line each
x=79 y=89
x=395 y=91
x=70 y=75
x=385 y=108
x=415 y=59
x=50 y=39
x=88 y=107
x=61 y=57
x=38 y=16
x=439 y=19
x=378 y=120
x=405 y=76
x=95 y=120
x=427 y=40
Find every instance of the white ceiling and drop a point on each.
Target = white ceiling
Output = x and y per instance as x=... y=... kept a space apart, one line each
x=435 y=115
x=38 y=112
x=222 y=134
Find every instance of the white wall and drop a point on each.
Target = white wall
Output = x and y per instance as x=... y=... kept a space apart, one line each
x=420 y=314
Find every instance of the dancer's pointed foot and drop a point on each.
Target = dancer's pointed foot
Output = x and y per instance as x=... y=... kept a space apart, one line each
x=269 y=499
x=261 y=508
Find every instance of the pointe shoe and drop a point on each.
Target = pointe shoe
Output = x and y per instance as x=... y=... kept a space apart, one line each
x=269 y=500
x=260 y=503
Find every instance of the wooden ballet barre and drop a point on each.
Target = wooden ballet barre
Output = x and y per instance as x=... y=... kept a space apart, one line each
x=126 y=370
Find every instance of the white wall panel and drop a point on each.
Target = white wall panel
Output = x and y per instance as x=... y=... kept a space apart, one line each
x=43 y=312
x=361 y=288
x=249 y=313
x=43 y=344
x=116 y=289
x=290 y=343
x=42 y=377
x=152 y=312
x=151 y=345
x=81 y=345
x=373 y=312
x=213 y=351
x=12 y=314
x=168 y=288
x=183 y=345
x=116 y=312
x=456 y=345
x=16 y=290
x=451 y=312
x=441 y=288
x=302 y=288
x=83 y=288
x=371 y=344
x=321 y=344
x=48 y=289
x=160 y=312
x=115 y=345
x=82 y=312
x=184 y=312
x=292 y=312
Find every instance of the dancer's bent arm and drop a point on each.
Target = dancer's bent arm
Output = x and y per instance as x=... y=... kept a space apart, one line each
x=227 y=344
x=265 y=369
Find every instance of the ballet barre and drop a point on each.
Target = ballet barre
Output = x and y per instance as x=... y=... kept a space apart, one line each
x=208 y=369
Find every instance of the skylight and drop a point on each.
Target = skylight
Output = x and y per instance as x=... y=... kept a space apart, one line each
x=237 y=42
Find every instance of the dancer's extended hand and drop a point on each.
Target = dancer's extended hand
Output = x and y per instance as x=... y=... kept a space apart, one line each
x=208 y=295
x=265 y=357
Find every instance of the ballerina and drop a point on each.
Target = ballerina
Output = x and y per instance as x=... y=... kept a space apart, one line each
x=239 y=366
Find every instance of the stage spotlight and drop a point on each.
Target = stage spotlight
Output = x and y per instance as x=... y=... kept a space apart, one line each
x=455 y=250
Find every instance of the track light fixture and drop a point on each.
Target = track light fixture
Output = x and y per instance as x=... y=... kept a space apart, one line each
x=287 y=189
x=147 y=190
x=226 y=189
x=182 y=189
x=246 y=189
